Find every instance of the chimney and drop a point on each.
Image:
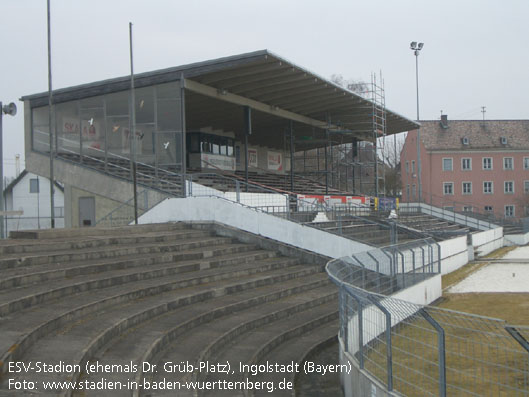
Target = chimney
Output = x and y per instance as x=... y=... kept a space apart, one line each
x=444 y=121
x=17 y=165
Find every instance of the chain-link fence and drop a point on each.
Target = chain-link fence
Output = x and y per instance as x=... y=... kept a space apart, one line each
x=423 y=350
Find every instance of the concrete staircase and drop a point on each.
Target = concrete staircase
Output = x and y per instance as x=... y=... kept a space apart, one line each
x=157 y=293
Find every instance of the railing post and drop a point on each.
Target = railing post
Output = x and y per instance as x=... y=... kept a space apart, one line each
x=389 y=357
x=238 y=190
x=441 y=350
x=360 y=331
x=340 y=224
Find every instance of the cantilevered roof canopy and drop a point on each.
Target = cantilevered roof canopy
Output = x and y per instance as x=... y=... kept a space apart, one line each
x=276 y=89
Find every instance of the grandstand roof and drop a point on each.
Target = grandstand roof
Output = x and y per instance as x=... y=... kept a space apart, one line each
x=273 y=87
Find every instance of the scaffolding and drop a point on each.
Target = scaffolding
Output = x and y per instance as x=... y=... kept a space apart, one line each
x=343 y=161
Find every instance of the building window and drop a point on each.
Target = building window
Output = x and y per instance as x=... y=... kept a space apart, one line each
x=414 y=191
x=508 y=187
x=448 y=208
x=413 y=166
x=407 y=167
x=466 y=164
x=448 y=188
x=526 y=186
x=467 y=187
x=488 y=208
x=509 y=211
x=408 y=191
x=526 y=163
x=487 y=163
x=467 y=208
x=447 y=164
x=487 y=188
x=526 y=210
x=508 y=163
x=34 y=185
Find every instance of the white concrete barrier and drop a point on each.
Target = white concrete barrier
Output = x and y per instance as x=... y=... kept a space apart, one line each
x=212 y=209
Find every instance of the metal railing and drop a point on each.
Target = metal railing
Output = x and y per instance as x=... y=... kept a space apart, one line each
x=424 y=350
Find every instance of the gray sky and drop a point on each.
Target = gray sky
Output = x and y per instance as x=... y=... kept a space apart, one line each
x=475 y=51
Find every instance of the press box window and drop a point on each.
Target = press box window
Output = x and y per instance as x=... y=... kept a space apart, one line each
x=34 y=185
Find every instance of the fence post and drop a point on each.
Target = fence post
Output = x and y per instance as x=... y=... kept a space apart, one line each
x=360 y=331
x=441 y=348
x=340 y=224
x=389 y=358
x=238 y=190
x=517 y=336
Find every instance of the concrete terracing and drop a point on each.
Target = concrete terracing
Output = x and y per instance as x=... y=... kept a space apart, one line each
x=163 y=293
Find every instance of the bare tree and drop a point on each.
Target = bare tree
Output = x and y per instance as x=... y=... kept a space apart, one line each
x=390 y=151
x=358 y=86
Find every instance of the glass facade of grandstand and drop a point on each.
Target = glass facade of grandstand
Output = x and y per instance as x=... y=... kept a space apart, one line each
x=99 y=127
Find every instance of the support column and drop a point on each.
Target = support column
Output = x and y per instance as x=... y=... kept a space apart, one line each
x=326 y=163
x=183 y=149
x=247 y=132
x=291 y=125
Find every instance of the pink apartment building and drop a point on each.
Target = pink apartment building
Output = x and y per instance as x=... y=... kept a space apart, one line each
x=470 y=165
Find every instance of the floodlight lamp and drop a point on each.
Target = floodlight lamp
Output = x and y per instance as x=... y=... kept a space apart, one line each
x=420 y=46
x=413 y=45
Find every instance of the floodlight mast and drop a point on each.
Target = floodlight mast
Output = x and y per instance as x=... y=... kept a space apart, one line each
x=417 y=47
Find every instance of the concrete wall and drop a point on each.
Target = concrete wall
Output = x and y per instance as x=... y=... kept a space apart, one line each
x=454 y=254
x=109 y=192
x=516 y=239
x=211 y=209
x=486 y=242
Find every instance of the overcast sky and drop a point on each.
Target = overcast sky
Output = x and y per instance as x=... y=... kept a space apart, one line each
x=475 y=52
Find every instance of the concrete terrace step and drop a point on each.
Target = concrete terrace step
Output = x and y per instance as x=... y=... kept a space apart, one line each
x=298 y=349
x=229 y=255
x=251 y=347
x=42 y=248
x=126 y=258
x=25 y=328
x=99 y=328
x=154 y=337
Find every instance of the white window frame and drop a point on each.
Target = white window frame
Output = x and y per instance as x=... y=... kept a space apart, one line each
x=512 y=163
x=467 y=208
x=483 y=164
x=486 y=208
x=451 y=163
x=444 y=188
x=505 y=187
x=526 y=163
x=469 y=164
x=463 y=188
x=34 y=183
x=491 y=187
x=513 y=210
x=526 y=186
